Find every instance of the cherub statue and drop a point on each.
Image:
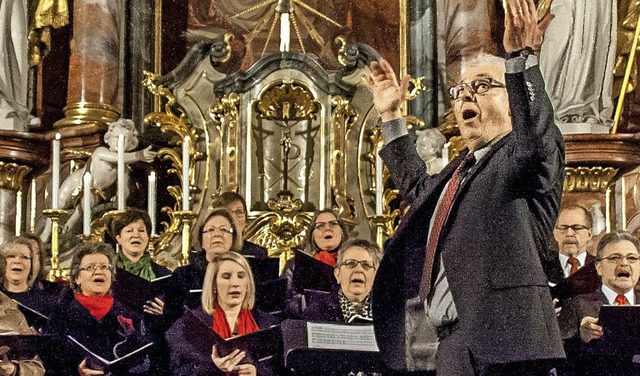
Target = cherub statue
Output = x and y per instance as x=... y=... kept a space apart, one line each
x=429 y=146
x=103 y=165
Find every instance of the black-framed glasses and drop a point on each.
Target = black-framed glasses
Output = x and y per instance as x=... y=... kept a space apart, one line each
x=352 y=264
x=321 y=225
x=95 y=267
x=617 y=258
x=477 y=86
x=222 y=229
x=575 y=228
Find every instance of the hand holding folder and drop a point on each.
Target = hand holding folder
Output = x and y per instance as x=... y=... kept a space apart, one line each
x=124 y=362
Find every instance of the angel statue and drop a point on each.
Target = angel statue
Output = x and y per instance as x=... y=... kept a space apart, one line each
x=103 y=166
x=429 y=144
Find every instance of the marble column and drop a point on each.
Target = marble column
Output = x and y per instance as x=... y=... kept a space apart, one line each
x=95 y=79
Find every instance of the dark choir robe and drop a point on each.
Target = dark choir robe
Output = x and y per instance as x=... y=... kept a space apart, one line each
x=185 y=279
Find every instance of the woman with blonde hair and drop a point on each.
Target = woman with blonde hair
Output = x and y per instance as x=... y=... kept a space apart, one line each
x=227 y=302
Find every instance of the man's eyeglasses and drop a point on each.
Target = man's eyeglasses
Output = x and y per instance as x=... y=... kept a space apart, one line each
x=575 y=228
x=95 y=267
x=321 y=225
x=212 y=229
x=479 y=86
x=352 y=264
x=18 y=257
x=616 y=258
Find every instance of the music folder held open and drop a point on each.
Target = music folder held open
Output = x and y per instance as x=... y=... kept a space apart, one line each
x=117 y=363
x=312 y=274
x=331 y=347
x=135 y=291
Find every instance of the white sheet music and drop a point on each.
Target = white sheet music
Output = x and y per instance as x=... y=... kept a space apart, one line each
x=341 y=337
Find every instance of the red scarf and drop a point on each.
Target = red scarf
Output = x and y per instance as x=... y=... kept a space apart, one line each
x=98 y=306
x=245 y=323
x=329 y=258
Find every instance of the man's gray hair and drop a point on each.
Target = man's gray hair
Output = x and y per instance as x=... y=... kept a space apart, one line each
x=615 y=237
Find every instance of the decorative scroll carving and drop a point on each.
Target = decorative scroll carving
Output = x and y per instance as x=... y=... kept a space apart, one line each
x=343 y=117
x=173 y=123
x=225 y=116
x=588 y=179
x=12 y=175
x=283 y=228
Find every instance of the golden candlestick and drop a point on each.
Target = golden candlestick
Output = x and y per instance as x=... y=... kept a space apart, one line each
x=381 y=223
x=55 y=215
x=186 y=218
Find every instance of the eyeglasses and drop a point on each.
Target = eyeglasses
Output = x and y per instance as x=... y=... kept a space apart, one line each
x=19 y=257
x=479 y=86
x=321 y=225
x=352 y=264
x=222 y=229
x=239 y=213
x=617 y=258
x=575 y=228
x=95 y=267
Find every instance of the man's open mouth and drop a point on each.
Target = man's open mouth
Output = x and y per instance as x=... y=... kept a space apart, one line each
x=469 y=114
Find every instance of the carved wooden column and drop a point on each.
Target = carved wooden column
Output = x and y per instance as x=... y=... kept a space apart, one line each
x=22 y=155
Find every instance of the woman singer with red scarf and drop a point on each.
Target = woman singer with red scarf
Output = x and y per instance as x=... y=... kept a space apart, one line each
x=228 y=297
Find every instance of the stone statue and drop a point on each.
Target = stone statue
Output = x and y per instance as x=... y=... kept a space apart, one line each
x=429 y=146
x=103 y=166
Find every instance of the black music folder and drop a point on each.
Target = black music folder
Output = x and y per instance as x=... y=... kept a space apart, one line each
x=270 y=296
x=262 y=344
x=330 y=347
x=264 y=269
x=35 y=318
x=115 y=364
x=621 y=330
x=312 y=274
x=135 y=291
x=24 y=346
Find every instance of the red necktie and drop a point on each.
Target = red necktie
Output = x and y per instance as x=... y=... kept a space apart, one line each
x=440 y=216
x=574 y=264
x=621 y=300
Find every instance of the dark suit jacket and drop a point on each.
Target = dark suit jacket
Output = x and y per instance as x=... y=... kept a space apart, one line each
x=491 y=244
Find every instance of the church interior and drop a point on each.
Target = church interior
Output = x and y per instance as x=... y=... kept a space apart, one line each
x=165 y=105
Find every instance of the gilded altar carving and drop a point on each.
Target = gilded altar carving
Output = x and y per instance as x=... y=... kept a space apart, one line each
x=12 y=175
x=588 y=179
x=175 y=125
x=343 y=117
x=225 y=116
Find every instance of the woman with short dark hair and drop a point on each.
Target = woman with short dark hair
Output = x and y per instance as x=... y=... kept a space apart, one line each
x=89 y=313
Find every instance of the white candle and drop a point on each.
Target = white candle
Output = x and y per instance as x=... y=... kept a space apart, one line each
x=55 y=171
x=19 y=212
x=445 y=153
x=185 y=172
x=285 y=32
x=151 y=201
x=87 y=182
x=121 y=175
x=32 y=208
x=379 y=183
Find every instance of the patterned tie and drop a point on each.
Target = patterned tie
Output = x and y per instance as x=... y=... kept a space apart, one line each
x=621 y=300
x=574 y=264
x=440 y=216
